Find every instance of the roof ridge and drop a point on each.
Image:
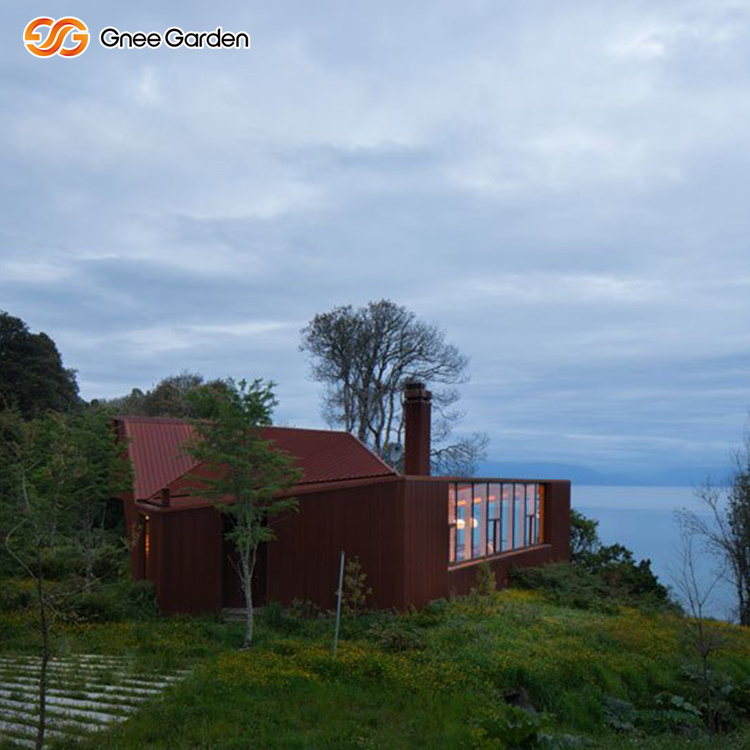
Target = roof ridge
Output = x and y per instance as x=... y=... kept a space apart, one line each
x=186 y=421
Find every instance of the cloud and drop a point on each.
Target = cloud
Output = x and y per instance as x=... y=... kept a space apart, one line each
x=561 y=187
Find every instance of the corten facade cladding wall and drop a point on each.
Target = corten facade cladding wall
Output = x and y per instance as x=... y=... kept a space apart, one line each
x=398 y=528
x=185 y=559
x=365 y=521
x=426 y=540
x=134 y=530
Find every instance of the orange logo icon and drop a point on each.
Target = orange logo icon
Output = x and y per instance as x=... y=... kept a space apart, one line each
x=58 y=33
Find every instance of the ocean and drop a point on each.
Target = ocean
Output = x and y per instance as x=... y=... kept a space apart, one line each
x=642 y=518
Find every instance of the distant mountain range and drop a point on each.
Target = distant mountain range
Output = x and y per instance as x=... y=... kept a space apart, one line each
x=677 y=476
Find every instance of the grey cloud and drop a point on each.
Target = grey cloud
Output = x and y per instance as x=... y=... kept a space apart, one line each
x=562 y=187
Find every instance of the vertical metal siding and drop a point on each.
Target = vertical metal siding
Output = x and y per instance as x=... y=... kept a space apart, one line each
x=365 y=521
x=398 y=529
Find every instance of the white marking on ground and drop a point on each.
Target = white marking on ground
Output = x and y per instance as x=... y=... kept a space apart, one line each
x=86 y=694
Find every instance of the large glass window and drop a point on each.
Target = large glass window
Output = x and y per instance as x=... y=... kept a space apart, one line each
x=487 y=518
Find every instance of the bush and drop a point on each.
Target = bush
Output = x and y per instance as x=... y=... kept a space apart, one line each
x=69 y=562
x=631 y=582
x=568 y=586
x=432 y=614
x=304 y=609
x=16 y=595
x=486 y=582
x=397 y=637
x=355 y=588
x=598 y=577
x=112 y=602
x=62 y=563
x=280 y=619
x=670 y=713
x=506 y=728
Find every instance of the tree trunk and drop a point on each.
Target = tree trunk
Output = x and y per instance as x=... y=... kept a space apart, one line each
x=248 y=568
x=87 y=538
x=89 y=572
x=44 y=626
x=744 y=612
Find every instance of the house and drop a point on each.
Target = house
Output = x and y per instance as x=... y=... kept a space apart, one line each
x=417 y=537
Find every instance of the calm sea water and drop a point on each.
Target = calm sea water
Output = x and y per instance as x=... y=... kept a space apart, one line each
x=642 y=518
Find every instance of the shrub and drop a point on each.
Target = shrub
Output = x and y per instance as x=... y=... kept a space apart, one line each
x=304 y=609
x=355 y=590
x=506 y=728
x=631 y=582
x=567 y=585
x=720 y=702
x=599 y=586
x=62 y=563
x=124 y=600
x=397 y=637
x=15 y=595
x=283 y=620
x=273 y=615
x=486 y=582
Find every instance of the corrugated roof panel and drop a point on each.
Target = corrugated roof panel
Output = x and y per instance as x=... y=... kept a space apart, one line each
x=155 y=449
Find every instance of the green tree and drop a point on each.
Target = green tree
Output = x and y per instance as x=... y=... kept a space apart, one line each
x=246 y=477
x=32 y=376
x=365 y=356
x=56 y=471
x=32 y=481
x=615 y=564
x=170 y=397
x=98 y=469
x=584 y=536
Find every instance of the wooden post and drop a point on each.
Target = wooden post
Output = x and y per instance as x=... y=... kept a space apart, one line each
x=338 y=606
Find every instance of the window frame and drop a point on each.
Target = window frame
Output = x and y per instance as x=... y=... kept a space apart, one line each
x=523 y=501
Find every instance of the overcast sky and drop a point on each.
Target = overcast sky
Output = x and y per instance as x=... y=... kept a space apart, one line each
x=563 y=187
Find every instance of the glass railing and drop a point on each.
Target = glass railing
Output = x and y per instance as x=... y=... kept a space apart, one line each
x=489 y=518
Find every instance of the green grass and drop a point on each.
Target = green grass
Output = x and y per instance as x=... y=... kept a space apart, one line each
x=409 y=681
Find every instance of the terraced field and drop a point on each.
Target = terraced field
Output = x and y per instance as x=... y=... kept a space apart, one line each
x=86 y=695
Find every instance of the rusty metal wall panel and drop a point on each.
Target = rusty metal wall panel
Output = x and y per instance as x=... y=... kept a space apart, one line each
x=426 y=540
x=398 y=529
x=557 y=518
x=365 y=521
x=187 y=560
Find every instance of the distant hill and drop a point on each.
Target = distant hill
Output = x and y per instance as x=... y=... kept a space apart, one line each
x=675 y=476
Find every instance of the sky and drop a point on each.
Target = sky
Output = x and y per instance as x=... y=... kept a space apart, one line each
x=562 y=187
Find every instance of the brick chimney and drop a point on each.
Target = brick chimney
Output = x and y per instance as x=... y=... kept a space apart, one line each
x=417 y=416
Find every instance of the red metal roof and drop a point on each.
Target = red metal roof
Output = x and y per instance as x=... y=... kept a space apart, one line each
x=155 y=450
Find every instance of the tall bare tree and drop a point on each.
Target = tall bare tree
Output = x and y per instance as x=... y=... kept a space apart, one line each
x=366 y=355
x=695 y=587
x=725 y=530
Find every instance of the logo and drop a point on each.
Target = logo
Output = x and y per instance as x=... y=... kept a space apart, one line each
x=58 y=32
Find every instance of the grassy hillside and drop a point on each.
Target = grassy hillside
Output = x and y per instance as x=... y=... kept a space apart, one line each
x=433 y=679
